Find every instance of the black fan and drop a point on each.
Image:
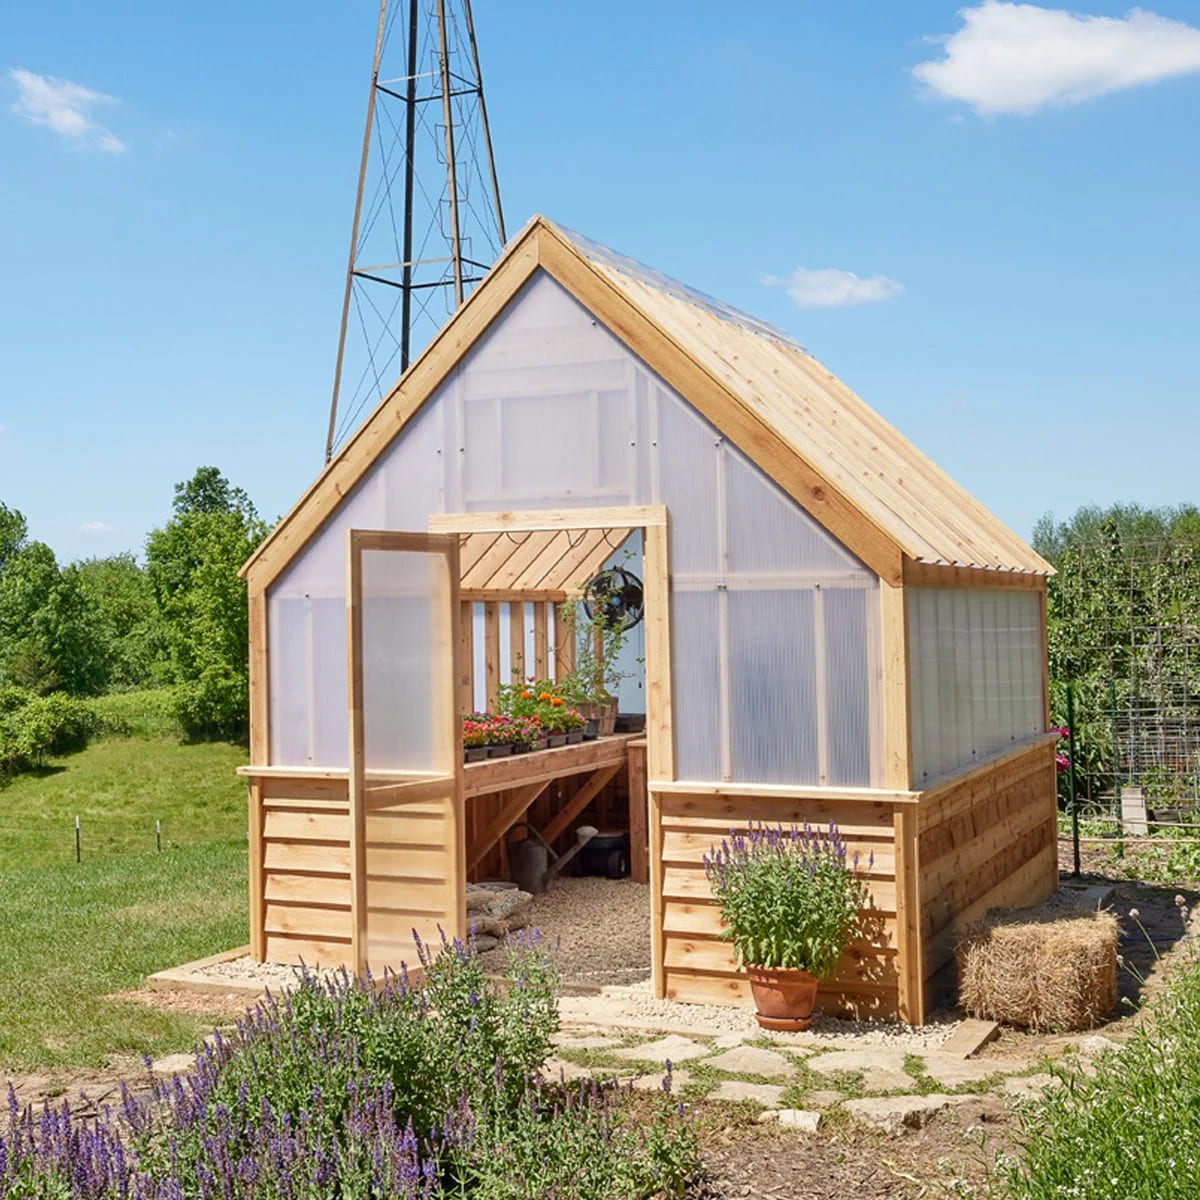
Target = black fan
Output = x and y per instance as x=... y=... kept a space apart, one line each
x=616 y=595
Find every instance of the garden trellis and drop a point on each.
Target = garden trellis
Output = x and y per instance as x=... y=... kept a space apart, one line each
x=834 y=631
x=1125 y=633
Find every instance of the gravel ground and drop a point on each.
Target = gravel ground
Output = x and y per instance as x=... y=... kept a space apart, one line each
x=598 y=929
x=640 y=1009
x=245 y=971
x=600 y=932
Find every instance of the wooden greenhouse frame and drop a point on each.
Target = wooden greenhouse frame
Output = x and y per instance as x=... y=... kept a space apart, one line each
x=947 y=842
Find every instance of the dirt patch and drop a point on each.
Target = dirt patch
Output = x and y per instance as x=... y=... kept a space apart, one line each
x=219 y=1008
x=956 y=1147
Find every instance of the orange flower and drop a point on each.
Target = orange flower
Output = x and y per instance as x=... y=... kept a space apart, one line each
x=526 y=695
x=557 y=701
x=545 y=696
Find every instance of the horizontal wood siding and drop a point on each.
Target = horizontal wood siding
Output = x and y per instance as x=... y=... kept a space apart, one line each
x=986 y=841
x=306 y=871
x=698 y=965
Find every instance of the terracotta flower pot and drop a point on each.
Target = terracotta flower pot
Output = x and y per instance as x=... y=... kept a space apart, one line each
x=783 y=998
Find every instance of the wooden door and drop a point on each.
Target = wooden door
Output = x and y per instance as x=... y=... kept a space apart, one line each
x=408 y=873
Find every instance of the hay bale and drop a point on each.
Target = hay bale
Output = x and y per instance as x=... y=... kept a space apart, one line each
x=1043 y=969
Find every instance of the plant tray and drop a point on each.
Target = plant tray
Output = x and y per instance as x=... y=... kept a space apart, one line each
x=500 y=751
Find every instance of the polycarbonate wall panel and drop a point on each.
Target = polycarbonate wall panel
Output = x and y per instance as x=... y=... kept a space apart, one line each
x=975 y=675
x=549 y=410
x=405 y=613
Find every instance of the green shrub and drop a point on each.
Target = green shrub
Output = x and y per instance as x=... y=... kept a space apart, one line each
x=213 y=705
x=1134 y=1130
x=42 y=725
x=149 y=713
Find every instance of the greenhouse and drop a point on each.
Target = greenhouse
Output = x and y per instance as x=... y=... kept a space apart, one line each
x=829 y=629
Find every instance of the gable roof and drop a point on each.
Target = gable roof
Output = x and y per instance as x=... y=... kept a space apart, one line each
x=858 y=476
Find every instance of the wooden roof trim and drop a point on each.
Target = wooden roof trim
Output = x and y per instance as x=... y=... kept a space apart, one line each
x=514 y=267
x=720 y=405
x=713 y=338
x=942 y=575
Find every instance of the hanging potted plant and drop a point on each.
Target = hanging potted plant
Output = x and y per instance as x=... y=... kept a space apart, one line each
x=791 y=902
x=599 y=641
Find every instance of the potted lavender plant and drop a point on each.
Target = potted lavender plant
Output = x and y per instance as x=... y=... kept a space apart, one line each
x=791 y=902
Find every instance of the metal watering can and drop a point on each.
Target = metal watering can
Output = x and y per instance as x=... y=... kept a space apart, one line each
x=529 y=860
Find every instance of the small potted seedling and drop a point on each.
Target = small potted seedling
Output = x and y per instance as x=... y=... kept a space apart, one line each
x=790 y=901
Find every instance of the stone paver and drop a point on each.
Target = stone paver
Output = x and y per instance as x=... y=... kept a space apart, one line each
x=590 y=1041
x=1097 y=1044
x=173 y=1064
x=882 y=1070
x=1029 y=1087
x=673 y=1048
x=767 y=1094
x=895 y=1114
x=962 y=1072
x=558 y=1069
x=823 y=1098
x=726 y=1040
x=793 y=1118
x=653 y=1083
x=752 y=1060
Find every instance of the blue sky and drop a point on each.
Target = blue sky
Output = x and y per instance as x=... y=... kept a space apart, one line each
x=1019 y=214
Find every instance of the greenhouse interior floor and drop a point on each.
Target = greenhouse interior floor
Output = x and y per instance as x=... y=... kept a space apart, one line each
x=598 y=930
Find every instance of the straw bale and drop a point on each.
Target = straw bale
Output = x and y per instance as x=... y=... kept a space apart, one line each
x=1043 y=969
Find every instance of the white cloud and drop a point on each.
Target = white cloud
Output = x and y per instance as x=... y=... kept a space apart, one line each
x=828 y=287
x=66 y=108
x=96 y=527
x=1017 y=58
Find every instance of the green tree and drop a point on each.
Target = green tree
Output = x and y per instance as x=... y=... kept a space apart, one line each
x=121 y=599
x=13 y=533
x=49 y=638
x=192 y=564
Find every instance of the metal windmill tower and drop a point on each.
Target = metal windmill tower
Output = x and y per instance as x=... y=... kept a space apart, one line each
x=427 y=217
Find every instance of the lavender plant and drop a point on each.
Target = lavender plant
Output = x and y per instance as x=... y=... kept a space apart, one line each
x=789 y=896
x=344 y=1089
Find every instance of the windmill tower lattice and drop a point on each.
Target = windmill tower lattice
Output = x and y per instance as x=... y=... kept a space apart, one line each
x=427 y=216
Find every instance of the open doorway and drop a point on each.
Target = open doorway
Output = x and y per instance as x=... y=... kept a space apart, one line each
x=525 y=616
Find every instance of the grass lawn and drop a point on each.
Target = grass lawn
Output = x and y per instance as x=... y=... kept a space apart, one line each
x=118 y=787
x=72 y=935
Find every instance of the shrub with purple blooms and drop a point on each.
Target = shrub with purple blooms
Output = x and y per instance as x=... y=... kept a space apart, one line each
x=345 y=1089
x=789 y=896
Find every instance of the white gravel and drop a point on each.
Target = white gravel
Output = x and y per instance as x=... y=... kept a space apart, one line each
x=246 y=972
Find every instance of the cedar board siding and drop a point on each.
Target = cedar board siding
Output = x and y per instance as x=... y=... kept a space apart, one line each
x=986 y=840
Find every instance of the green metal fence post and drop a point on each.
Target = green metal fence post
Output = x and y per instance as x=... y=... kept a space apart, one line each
x=1071 y=776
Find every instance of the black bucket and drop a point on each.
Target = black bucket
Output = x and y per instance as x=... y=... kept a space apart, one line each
x=607 y=854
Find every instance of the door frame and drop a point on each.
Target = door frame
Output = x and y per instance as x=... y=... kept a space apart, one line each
x=444 y=657
x=652 y=520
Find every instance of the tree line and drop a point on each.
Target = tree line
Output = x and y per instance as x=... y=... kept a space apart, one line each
x=176 y=619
